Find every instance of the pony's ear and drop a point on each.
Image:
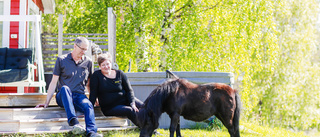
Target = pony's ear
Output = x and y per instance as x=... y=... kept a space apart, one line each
x=171 y=75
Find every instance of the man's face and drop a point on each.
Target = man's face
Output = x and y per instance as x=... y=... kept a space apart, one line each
x=81 y=49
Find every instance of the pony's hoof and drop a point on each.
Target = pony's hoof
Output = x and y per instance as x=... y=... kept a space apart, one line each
x=155 y=132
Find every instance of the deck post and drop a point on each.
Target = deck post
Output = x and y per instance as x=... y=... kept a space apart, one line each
x=112 y=35
x=60 y=34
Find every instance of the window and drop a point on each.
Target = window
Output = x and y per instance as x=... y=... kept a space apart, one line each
x=1 y=23
x=33 y=10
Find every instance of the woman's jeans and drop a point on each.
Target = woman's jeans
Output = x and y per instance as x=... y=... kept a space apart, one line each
x=127 y=111
x=72 y=101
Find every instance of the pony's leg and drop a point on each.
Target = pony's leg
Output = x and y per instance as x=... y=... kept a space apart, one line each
x=175 y=119
x=178 y=133
x=227 y=122
x=231 y=118
x=236 y=118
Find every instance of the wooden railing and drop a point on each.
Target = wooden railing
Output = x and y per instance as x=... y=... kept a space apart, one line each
x=50 y=46
x=54 y=45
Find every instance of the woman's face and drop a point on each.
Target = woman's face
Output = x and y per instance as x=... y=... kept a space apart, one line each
x=105 y=66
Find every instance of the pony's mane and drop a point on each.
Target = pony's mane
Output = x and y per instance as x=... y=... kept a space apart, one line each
x=156 y=98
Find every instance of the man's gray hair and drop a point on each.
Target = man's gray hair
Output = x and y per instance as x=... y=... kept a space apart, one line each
x=80 y=40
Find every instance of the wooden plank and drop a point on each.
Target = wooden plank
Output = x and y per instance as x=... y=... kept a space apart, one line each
x=43 y=113
x=65 y=52
x=68 y=46
x=6 y=114
x=46 y=65
x=50 y=56
x=99 y=42
x=62 y=124
x=55 y=46
x=101 y=38
x=104 y=47
x=53 y=61
x=104 y=129
x=72 y=41
x=49 y=52
x=7 y=126
x=50 y=37
x=46 y=34
x=112 y=34
x=89 y=38
x=60 y=34
x=48 y=69
x=88 y=34
x=24 y=99
x=50 y=41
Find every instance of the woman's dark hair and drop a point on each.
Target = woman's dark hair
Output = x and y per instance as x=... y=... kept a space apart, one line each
x=103 y=57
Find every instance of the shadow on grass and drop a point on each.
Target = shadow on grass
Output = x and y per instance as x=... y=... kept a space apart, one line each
x=127 y=131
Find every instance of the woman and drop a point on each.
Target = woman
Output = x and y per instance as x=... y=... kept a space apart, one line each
x=113 y=90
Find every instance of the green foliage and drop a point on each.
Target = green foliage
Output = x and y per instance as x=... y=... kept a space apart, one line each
x=270 y=45
x=215 y=124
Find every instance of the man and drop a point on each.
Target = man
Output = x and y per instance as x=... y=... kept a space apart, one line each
x=73 y=72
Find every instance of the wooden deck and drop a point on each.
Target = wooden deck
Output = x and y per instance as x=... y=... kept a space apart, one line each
x=18 y=115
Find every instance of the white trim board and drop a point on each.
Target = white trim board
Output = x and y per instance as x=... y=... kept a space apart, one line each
x=6 y=24
x=36 y=18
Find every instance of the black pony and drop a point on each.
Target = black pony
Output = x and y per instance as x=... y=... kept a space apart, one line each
x=179 y=97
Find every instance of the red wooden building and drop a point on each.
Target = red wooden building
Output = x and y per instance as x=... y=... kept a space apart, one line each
x=21 y=34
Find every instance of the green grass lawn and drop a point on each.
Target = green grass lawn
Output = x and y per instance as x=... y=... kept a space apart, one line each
x=246 y=130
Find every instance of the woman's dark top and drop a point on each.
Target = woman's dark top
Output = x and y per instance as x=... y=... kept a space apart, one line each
x=110 y=92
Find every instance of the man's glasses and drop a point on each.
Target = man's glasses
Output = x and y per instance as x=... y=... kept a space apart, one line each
x=83 y=49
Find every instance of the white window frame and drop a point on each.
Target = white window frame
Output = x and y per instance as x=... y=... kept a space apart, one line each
x=5 y=24
x=1 y=29
x=38 y=53
x=33 y=9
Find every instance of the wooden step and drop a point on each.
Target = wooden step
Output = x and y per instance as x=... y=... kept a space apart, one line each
x=38 y=113
x=57 y=124
x=17 y=114
x=62 y=124
x=50 y=120
x=24 y=99
x=7 y=126
x=63 y=131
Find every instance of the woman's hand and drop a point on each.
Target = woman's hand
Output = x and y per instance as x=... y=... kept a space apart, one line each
x=134 y=107
x=97 y=104
x=42 y=105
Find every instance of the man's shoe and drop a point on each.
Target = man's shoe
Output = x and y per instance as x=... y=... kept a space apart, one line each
x=95 y=135
x=78 y=129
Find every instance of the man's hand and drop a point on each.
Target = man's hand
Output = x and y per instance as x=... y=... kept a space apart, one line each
x=41 y=105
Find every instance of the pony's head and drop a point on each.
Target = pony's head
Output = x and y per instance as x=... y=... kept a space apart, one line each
x=149 y=114
x=147 y=122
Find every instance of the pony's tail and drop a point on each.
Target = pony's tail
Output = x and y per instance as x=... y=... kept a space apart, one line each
x=236 y=118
